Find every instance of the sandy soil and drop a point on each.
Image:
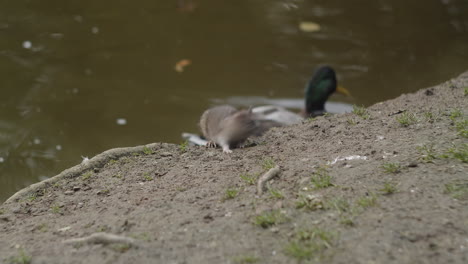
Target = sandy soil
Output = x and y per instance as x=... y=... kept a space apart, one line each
x=402 y=199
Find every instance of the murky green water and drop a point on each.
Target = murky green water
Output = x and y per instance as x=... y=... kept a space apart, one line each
x=72 y=69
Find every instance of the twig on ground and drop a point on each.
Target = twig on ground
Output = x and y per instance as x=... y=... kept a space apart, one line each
x=266 y=177
x=102 y=238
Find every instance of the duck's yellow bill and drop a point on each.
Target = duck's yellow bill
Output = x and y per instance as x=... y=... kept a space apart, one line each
x=342 y=90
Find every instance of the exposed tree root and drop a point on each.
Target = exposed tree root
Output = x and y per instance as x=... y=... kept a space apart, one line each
x=102 y=238
x=265 y=178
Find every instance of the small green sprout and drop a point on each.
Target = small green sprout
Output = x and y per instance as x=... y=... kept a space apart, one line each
x=455 y=113
x=309 y=201
x=367 y=201
x=459 y=152
x=147 y=150
x=245 y=259
x=321 y=179
x=427 y=153
x=21 y=258
x=268 y=163
x=147 y=176
x=86 y=175
x=56 y=209
x=339 y=204
x=351 y=121
x=120 y=247
x=458 y=190
x=270 y=218
x=230 y=193
x=275 y=193
x=183 y=146
x=391 y=167
x=249 y=179
x=389 y=188
x=310 y=244
x=462 y=128
x=407 y=119
x=32 y=197
x=361 y=111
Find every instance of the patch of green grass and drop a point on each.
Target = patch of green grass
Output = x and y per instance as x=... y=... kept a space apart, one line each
x=367 y=201
x=391 y=167
x=102 y=229
x=56 y=209
x=389 y=188
x=104 y=191
x=465 y=91
x=42 y=227
x=32 y=197
x=309 y=201
x=351 y=121
x=458 y=190
x=120 y=247
x=147 y=151
x=321 y=179
x=455 y=113
x=230 y=193
x=21 y=258
x=245 y=259
x=427 y=153
x=268 y=163
x=347 y=220
x=147 y=176
x=275 y=193
x=310 y=244
x=86 y=175
x=339 y=204
x=429 y=117
x=462 y=128
x=361 y=111
x=183 y=146
x=118 y=176
x=249 y=179
x=2 y=211
x=459 y=152
x=112 y=161
x=407 y=119
x=270 y=218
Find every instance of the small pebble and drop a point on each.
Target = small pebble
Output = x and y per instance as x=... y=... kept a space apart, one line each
x=69 y=192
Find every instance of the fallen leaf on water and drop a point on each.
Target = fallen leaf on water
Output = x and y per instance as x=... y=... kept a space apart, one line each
x=179 y=67
x=186 y=6
x=309 y=26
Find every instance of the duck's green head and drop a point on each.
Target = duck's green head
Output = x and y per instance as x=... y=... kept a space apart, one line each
x=318 y=89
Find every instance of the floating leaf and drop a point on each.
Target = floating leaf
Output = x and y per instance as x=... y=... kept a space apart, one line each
x=179 y=67
x=309 y=26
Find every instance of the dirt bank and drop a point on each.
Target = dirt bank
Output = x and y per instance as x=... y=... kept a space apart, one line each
x=400 y=197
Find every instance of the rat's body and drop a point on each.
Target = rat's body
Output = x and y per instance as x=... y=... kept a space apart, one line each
x=227 y=127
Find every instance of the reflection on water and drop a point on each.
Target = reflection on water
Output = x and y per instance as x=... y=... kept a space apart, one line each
x=80 y=77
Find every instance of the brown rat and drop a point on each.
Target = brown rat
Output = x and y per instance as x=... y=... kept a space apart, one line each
x=227 y=127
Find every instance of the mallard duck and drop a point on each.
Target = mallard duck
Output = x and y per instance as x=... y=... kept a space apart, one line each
x=318 y=89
